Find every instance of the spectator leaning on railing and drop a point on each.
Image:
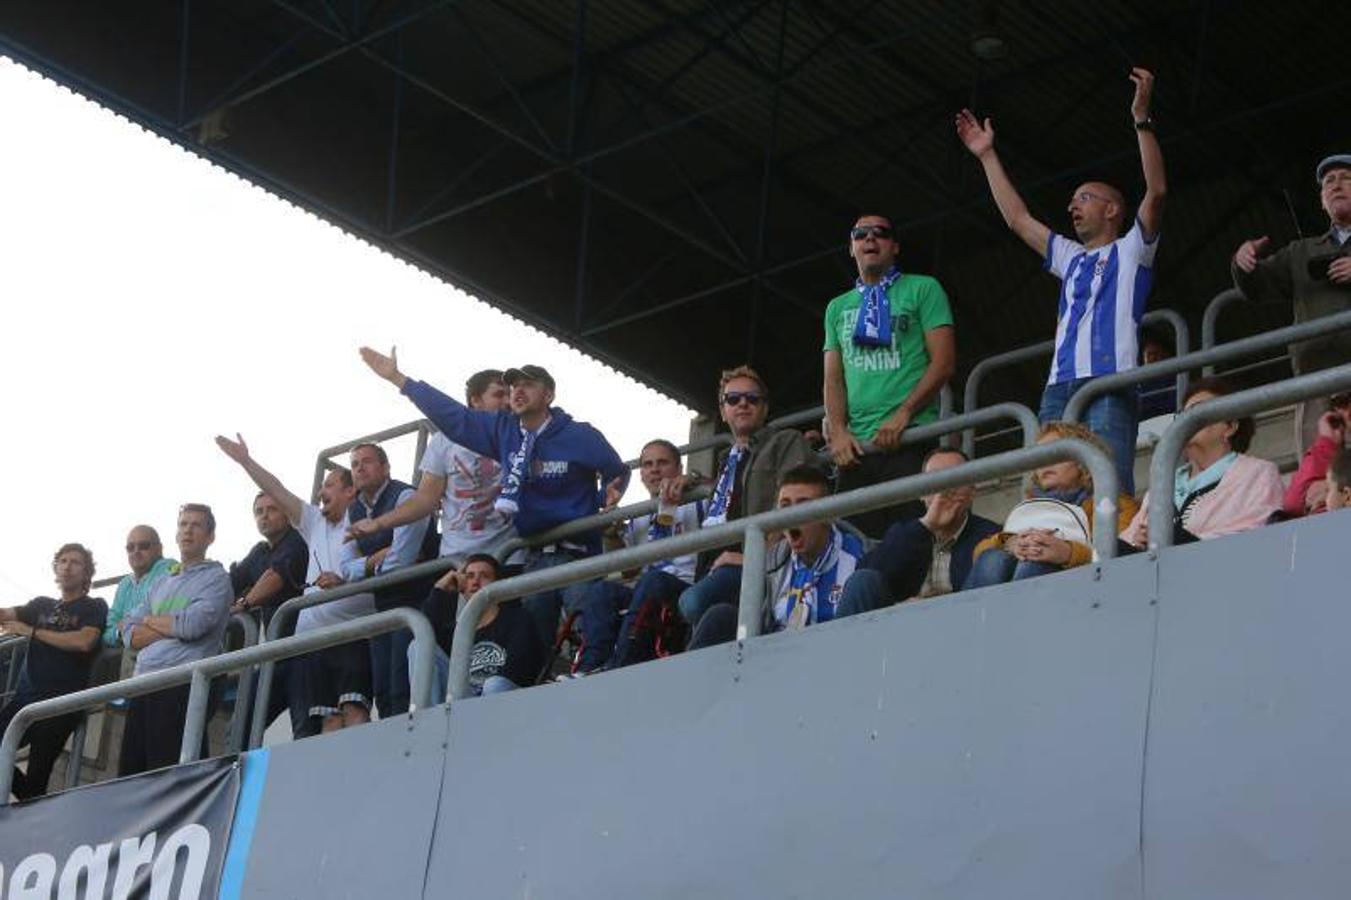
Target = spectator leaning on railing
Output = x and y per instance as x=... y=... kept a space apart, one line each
x=63 y=641
x=1220 y=489
x=1309 y=487
x=747 y=481
x=1052 y=529
x=1105 y=276
x=1314 y=273
x=554 y=469
x=889 y=349
x=181 y=620
x=925 y=557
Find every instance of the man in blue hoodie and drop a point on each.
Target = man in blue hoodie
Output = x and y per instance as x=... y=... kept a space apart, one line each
x=554 y=469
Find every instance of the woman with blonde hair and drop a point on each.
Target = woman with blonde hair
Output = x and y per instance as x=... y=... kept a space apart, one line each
x=1052 y=529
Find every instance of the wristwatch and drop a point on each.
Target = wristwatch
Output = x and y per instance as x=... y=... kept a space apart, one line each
x=1145 y=124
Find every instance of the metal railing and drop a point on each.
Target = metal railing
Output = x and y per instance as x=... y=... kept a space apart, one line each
x=1232 y=350
x=971 y=391
x=322 y=462
x=1210 y=321
x=752 y=531
x=1160 y=509
x=199 y=673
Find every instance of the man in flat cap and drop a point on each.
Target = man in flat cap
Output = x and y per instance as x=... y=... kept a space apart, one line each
x=1315 y=273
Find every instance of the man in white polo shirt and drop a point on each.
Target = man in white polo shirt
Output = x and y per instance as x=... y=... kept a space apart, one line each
x=1105 y=276
x=338 y=679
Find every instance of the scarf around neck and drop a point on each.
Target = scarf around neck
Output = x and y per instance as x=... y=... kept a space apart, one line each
x=508 y=502
x=873 y=328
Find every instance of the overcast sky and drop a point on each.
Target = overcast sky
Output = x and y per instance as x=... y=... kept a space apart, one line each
x=153 y=300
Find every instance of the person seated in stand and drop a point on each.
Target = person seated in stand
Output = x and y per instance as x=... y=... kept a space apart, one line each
x=1308 y=488
x=748 y=477
x=1159 y=396
x=507 y=650
x=645 y=629
x=1339 y=482
x=1052 y=529
x=63 y=642
x=1220 y=489
x=806 y=569
x=924 y=557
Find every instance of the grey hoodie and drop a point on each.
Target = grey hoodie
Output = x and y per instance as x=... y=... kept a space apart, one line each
x=198 y=598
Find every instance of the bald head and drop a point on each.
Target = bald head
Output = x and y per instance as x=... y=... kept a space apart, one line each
x=143 y=549
x=1097 y=210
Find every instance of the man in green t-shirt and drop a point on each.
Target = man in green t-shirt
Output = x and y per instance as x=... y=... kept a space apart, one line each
x=889 y=350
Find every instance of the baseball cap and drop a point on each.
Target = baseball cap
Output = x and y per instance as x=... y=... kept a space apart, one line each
x=1336 y=161
x=528 y=373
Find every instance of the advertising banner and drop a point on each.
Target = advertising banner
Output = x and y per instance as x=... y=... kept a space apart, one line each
x=162 y=835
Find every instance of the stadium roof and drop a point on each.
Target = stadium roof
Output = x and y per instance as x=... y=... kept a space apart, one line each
x=666 y=184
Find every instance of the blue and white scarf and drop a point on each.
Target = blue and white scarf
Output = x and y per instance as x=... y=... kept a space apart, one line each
x=508 y=502
x=722 y=493
x=813 y=587
x=1185 y=484
x=873 y=328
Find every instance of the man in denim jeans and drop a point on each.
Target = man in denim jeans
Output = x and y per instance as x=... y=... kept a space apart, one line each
x=1105 y=278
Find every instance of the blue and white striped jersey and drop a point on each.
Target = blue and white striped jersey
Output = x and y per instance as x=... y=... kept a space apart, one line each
x=1102 y=297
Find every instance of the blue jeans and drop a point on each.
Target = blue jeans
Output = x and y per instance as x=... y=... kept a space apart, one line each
x=389 y=672
x=1112 y=417
x=546 y=606
x=997 y=567
x=865 y=591
x=722 y=585
x=493 y=684
x=600 y=622
x=638 y=632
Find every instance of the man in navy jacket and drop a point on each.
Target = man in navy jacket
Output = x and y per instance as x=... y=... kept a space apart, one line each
x=924 y=557
x=554 y=468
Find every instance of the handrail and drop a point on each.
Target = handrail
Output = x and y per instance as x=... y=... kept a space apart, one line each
x=1220 y=409
x=971 y=391
x=244 y=689
x=321 y=465
x=1210 y=322
x=916 y=435
x=200 y=672
x=1231 y=350
x=751 y=531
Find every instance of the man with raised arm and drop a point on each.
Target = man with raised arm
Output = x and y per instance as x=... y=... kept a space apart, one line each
x=554 y=468
x=1315 y=274
x=1105 y=276
x=181 y=620
x=63 y=642
x=889 y=349
x=463 y=483
x=337 y=680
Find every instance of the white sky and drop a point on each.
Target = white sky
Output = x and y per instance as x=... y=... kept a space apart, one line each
x=152 y=300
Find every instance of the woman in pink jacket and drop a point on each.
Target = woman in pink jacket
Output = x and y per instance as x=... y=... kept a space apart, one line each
x=1220 y=490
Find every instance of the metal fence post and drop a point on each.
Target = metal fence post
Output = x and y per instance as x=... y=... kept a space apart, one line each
x=750 y=611
x=76 y=758
x=194 y=724
x=1210 y=321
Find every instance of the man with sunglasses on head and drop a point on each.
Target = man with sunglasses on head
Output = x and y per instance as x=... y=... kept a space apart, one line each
x=554 y=468
x=889 y=350
x=747 y=483
x=145 y=557
x=1105 y=276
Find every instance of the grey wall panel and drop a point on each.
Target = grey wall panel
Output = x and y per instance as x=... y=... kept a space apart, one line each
x=350 y=814
x=1249 y=788
x=986 y=745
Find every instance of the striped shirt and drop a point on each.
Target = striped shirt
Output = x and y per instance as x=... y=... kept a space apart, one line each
x=1102 y=297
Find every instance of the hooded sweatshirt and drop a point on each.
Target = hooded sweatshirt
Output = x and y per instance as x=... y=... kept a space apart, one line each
x=198 y=599
x=571 y=465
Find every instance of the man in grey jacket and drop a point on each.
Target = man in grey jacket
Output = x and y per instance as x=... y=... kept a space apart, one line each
x=181 y=620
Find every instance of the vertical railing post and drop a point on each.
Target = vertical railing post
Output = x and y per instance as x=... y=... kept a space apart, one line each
x=750 y=610
x=76 y=758
x=194 y=724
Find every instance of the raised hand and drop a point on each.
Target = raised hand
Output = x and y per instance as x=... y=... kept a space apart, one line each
x=236 y=449
x=1249 y=252
x=1144 y=91
x=387 y=367
x=978 y=137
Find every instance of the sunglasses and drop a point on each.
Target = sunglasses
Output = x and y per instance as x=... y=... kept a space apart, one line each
x=1085 y=196
x=859 y=232
x=734 y=398
x=140 y=545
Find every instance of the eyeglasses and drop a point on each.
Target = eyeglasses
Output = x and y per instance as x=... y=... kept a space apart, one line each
x=1085 y=196
x=859 y=232
x=734 y=398
x=133 y=546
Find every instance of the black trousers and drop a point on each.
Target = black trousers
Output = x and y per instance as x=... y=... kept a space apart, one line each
x=44 y=739
x=154 y=731
x=875 y=468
